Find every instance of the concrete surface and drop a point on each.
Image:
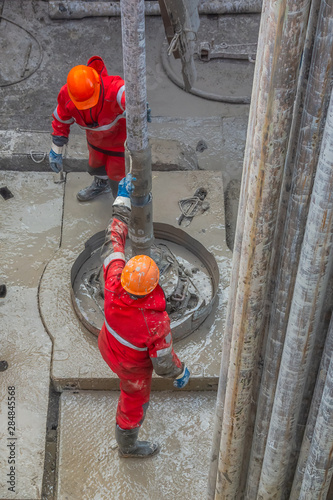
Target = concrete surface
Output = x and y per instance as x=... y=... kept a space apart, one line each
x=31 y=149
x=27 y=106
x=30 y=228
x=30 y=225
x=88 y=463
x=173 y=141
x=83 y=367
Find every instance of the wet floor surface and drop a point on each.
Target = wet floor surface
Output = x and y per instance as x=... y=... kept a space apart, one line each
x=30 y=232
x=182 y=423
x=43 y=338
x=82 y=367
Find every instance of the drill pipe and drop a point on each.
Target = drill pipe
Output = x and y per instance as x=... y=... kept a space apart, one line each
x=141 y=223
x=274 y=89
x=78 y=9
x=138 y=156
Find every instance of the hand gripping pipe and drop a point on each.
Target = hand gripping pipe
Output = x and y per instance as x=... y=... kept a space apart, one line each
x=138 y=155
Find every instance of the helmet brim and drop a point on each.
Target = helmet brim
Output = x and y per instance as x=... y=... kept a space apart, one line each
x=138 y=294
x=89 y=103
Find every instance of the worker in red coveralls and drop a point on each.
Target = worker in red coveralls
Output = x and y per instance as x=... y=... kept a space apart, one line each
x=136 y=336
x=96 y=102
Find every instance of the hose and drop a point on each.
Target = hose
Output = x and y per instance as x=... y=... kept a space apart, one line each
x=200 y=93
x=40 y=52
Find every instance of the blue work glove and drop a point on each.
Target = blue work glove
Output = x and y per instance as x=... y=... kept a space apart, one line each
x=126 y=186
x=55 y=160
x=182 y=379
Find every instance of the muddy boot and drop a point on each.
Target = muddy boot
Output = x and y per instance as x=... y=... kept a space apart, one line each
x=130 y=447
x=98 y=186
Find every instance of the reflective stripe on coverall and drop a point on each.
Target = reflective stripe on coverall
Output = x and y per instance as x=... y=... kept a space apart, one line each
x=105 y=123
x=136 y=336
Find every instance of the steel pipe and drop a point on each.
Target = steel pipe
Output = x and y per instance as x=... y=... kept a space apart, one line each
x=309 y=292
x=71 y=9
x=319 y=467
x=292 y=221
x=280 y=44
x=137 y=154
x=318 y=398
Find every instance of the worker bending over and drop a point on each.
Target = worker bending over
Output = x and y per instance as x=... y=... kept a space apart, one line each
x=136 y=336
x=96 y=102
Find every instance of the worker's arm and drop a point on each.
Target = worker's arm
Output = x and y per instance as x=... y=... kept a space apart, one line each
x=62 y=119
x=61 y=123
x=119 y=93
x=114 y=247
x=165 y=361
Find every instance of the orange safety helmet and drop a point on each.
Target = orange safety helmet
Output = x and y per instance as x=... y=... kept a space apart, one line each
x=83 y=85
x=140 y=275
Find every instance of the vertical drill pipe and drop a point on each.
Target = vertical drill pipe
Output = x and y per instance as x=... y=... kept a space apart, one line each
x=319 y=466
x=138 y=156
x=226 y=343
x=317 y=94
x=281 y=41
x=309 y=292
x=311 y=400
x=313 y=414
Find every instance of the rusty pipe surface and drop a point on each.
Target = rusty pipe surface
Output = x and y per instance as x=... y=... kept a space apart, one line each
x=318 y=468
x=281 y=41
x=137 y=155
x=71 y=9
x=293 y=220
x=310 y=402
x=317 y=398
x=308 y=297
x=226 y=342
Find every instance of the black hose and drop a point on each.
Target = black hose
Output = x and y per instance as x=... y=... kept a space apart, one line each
x=40 y=57
x=200 y=93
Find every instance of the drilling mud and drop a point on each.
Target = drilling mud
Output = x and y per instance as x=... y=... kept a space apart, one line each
x=189 y=276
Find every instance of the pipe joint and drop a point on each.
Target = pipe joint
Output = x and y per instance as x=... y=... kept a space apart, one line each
x=141 y=201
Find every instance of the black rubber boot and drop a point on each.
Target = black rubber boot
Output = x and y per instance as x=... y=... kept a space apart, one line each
x=130 y=447
x=98 y=186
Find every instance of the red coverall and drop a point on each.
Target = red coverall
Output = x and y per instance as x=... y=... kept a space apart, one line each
x=105 y=123
x=135 y=337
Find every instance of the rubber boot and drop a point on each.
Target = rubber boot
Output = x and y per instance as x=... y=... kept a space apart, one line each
x=130 y=447
x=98 y=186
